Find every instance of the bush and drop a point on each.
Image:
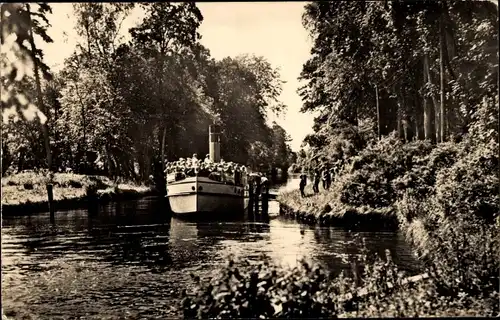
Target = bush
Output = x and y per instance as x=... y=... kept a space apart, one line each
x=455 y=226
x=420 y=178
x=381 y=172
x=470 y=187
x=376 y=288
x=447 y=202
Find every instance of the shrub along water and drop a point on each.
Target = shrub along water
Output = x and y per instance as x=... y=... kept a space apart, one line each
x=445 y=198
x=375 y=288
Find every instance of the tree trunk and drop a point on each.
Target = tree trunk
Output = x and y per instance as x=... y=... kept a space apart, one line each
x=429 y=113
x=416 y=117
x=45 y=128
x=404 y=115
x=418 y=112
x=172 y=150
x=450 y=43
x=399 y=111
x=6 y=158
x=163 y=137
x=441 y=77
x=435 y=104
x=83 y=144
x=399 y=127
x=378 y=111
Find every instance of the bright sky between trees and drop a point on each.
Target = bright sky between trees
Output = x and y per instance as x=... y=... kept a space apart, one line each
x=270 y=29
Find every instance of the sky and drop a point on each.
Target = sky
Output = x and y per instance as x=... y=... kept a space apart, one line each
x=270 y=29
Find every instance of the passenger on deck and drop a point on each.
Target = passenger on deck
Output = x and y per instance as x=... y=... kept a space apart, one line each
x=263 y=179
x=207 y=159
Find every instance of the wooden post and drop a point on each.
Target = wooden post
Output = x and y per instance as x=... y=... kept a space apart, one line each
x=257 y=194
x=265 y=199
x=50 y=195
x=250 y=197
x=378 y=112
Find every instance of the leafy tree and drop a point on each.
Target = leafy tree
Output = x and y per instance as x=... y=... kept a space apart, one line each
x=396 y=47
x=168 y=32
x=121 y=108
x=242 y=91
x=19 y=25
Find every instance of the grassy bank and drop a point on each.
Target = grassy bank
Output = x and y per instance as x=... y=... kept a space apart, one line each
x=26 y=193
x=320 y=208
x=445 y=199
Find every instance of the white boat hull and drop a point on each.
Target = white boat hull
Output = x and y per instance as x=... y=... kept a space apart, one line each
x=202 y=195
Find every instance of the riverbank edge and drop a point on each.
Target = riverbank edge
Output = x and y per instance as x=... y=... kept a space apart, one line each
x=24 y=209
x=414 y=232
x=349 y=218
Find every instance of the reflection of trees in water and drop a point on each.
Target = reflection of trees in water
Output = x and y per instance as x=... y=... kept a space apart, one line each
x=134 y=232
x=349 y=245
x=258 y=224
x=44 y=241
x=185 y=249
x=195 y=242
x=142 y=232
x=252 y=226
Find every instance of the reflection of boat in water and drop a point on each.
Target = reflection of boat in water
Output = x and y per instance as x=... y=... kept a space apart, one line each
x=210 y=193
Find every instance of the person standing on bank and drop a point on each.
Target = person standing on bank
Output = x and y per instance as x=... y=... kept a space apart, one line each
x=302 y=185
x=324 y=178
x=316 y=181
x=332 y=175
x=328 y=178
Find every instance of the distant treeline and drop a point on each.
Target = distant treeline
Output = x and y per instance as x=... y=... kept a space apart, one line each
x=117 y=108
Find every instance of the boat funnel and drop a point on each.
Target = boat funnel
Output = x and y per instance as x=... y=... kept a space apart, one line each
x=214 y=142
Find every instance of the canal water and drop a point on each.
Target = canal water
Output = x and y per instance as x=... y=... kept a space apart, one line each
x=132 y=260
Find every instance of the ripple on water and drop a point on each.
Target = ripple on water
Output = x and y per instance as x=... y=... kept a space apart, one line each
x=133 y=262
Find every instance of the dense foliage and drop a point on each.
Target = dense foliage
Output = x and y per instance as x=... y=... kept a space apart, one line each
x=434 y=67
x=374 y=287
x=445 y=198
x=392 y=49
x=117 y=108
x=387 y=80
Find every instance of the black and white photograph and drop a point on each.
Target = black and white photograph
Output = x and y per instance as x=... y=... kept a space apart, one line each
x=250 y=160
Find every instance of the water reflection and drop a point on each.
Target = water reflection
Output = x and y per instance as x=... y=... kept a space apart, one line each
x=141 y=257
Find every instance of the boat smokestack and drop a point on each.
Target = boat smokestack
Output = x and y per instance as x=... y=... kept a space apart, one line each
x=214 y=142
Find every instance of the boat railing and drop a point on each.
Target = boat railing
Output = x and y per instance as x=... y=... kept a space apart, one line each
x=230 y=178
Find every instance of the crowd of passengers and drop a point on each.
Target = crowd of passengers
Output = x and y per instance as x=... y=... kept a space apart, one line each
x=228 y=172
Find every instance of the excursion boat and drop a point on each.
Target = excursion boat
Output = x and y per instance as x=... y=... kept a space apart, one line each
x=207 y=194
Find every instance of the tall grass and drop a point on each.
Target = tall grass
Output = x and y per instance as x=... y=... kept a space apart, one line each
x=30 y=187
